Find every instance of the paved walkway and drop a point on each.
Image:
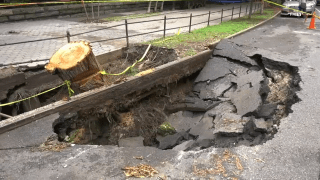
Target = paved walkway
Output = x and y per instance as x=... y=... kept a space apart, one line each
x=22 y=54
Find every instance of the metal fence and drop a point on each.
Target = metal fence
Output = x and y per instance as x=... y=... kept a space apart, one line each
x=242 y=10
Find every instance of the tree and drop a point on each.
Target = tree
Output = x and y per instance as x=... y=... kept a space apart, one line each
x=262 y=6
x=149 y=7
x=250 y=11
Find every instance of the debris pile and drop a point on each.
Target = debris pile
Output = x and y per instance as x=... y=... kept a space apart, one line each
x=237 y=100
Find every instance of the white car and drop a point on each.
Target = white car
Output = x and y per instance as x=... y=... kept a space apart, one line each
x=308 y=6
x=292 y=5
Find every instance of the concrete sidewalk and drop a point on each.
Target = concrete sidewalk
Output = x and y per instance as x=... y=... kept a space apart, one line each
x=21 y=54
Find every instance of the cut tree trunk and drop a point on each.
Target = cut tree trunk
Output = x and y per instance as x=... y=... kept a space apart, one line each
x=75 y=62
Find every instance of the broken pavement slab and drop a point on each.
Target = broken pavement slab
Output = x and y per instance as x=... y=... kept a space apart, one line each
x=215 y=68
x=253 y=78
x=9 y=82
x=171 y=141
x=215 y=89
x=227 y=48
x=184 y=146
x=230 y=124
x=246 y=99
x=41 y=80
x=260 y=125
x=218 y=67
x=181 y=122
x=224 y=107
x=32 y=134
x=202 y=127
x=131 y=142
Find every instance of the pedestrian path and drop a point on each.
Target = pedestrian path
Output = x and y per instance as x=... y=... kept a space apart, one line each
x=40 y=52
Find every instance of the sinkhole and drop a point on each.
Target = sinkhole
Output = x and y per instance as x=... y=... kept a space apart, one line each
x=234 y=100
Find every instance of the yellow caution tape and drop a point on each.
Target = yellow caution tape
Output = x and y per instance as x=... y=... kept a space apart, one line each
x=68 y=83
x=289 y=8
x=145 y=72
x=128 y=68
x=78 y=2
x=178 y=33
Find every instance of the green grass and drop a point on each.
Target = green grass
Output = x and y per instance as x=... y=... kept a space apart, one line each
x=133 y=71
x=133 y=16
x=191 y=52
x=214 y=32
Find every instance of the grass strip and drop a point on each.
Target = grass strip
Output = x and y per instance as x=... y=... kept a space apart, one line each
x=212 y=33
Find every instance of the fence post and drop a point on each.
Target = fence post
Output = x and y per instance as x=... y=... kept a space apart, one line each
x=68 y=36
x=221 y=15
x=240 y=12
x=209 y=18
x=232 y=13
x=164 y=25
x=190 y=22
x=127 y=36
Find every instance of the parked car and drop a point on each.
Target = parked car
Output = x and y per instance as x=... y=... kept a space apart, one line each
x=308 y=6
x=289 y=12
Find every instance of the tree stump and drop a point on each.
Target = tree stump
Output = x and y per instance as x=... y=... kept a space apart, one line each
x=76 y=62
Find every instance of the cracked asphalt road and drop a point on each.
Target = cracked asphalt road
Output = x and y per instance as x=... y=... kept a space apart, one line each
x=294 y=152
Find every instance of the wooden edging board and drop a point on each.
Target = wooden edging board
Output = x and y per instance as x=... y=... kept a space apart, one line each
x=161 y=75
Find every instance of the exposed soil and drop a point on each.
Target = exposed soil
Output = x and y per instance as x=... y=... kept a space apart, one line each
x=189 y=49
x=156 y=56
x=143 y=118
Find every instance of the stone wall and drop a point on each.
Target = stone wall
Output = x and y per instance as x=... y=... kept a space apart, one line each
x=71 y=10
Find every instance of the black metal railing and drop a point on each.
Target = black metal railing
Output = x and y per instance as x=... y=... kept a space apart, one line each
x=164 y=30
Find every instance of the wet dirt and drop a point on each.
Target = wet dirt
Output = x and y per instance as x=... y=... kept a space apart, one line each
x=156 y=56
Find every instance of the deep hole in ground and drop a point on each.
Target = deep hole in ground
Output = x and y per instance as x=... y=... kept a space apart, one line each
x=234 y=100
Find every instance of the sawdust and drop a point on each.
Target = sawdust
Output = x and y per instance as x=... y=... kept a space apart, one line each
x=219 y=167
x=140 y=171
x=52 y=144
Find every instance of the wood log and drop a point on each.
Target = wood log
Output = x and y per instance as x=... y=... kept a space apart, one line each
x=93 y=81
x=74 y=61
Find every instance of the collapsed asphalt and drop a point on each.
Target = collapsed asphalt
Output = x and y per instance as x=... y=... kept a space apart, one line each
x=292 y=154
